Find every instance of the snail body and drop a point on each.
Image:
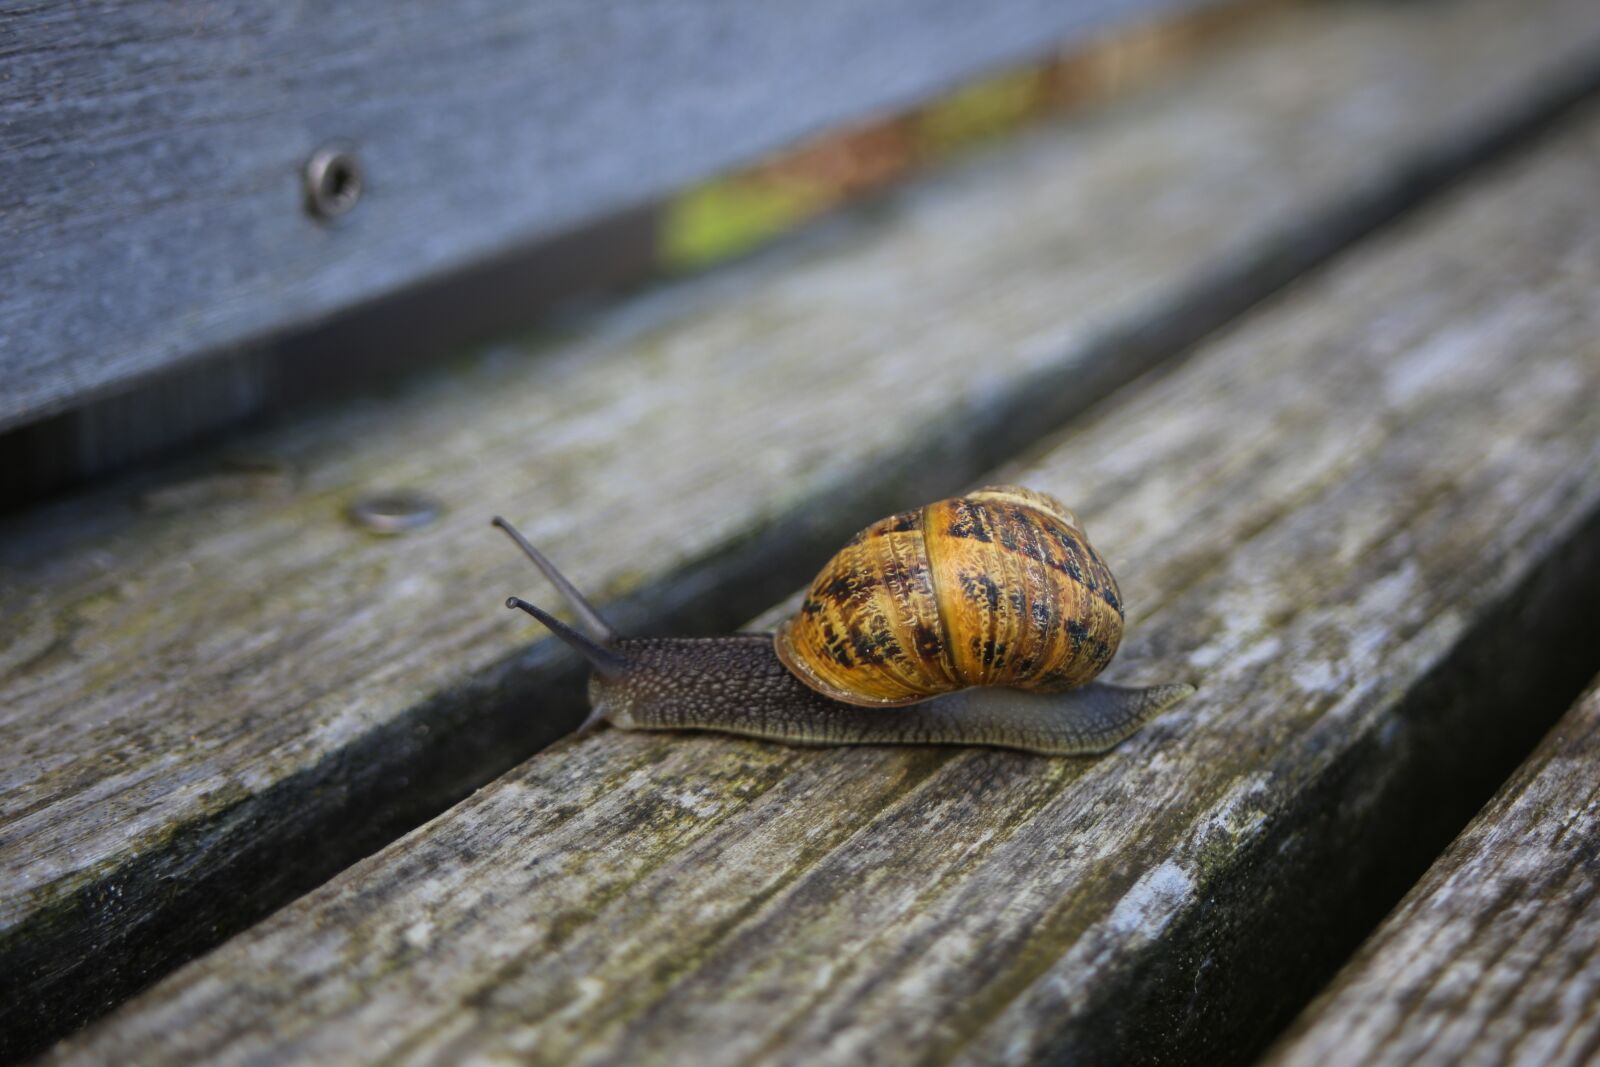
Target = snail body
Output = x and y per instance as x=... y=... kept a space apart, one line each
x=978 y=620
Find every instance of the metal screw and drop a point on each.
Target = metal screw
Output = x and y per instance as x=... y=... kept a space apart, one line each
x=333 y=182
x=395 y=513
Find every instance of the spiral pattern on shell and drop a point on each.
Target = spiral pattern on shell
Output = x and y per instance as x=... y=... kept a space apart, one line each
x=999 y=587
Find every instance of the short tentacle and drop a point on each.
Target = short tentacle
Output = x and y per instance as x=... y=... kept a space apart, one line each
x=604 y=660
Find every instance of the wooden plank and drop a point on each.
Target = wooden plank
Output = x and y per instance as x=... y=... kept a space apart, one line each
x=1358 y=522
x=1494 y=957
x=704 y=222
x=220 y=692
x=151 y=191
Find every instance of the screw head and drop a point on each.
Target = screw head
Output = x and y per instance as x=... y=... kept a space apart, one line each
x=395 y=513
x=333 y=182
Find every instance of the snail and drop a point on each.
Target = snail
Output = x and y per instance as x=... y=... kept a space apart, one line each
x=977 y=620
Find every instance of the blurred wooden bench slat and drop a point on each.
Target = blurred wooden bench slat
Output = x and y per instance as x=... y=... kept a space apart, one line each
x=219 y=692
x=1309 y=520
x=1494 y=957
x=151 y=202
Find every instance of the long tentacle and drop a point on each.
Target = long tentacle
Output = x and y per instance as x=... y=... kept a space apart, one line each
x=588 y=618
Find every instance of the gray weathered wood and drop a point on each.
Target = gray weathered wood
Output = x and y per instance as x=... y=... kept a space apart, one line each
x=150 y=155
x=219 y=692
x=1494 y=957
x=1358 y=522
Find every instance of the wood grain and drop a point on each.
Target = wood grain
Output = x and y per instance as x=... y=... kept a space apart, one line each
x=150 y=196
x=1361 y=521
x=1494 y=957
x=219 y=692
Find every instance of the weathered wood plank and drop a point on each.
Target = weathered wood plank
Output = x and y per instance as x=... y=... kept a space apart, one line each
x=219 y=692
x=1359 y=521
x=151 y=156
x=1494 y=957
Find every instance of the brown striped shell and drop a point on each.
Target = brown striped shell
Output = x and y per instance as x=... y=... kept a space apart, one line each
x=999 y=587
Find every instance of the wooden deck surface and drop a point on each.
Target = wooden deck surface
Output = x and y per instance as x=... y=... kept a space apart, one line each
x=1361 y=520
x=220 y=692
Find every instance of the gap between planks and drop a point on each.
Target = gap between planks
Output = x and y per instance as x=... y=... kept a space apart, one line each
x=1364 y=520
x=1494 y=957
x=219 y=693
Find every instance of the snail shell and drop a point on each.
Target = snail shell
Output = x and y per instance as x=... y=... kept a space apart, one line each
x=996 y=588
